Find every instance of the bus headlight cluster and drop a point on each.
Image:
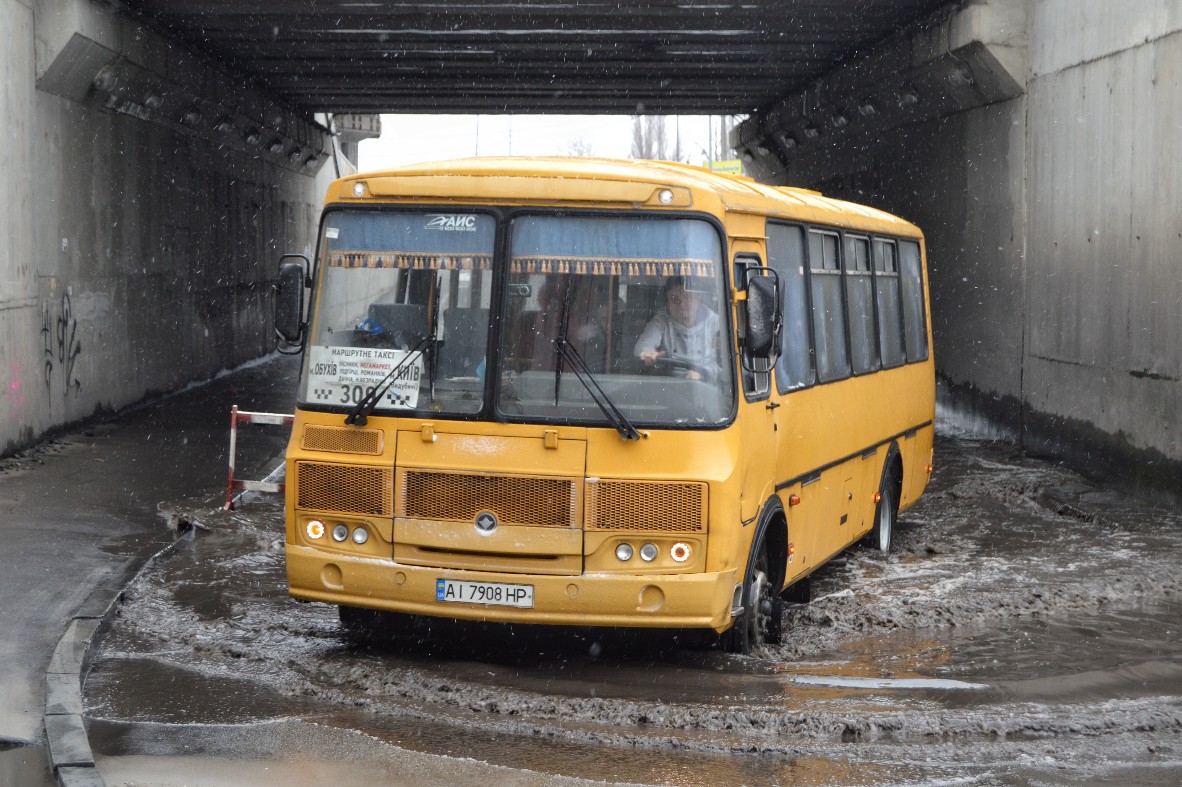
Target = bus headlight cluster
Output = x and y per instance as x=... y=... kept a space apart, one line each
x=679 y=552
x=340 y=532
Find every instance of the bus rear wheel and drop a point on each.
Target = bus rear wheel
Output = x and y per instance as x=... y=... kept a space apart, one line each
x=886 y=511
x=762 y=620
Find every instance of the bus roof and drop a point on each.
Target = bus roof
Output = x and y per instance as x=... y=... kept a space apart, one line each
x=521 y=178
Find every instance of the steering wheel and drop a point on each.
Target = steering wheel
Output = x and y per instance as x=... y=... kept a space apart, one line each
x=674 y=362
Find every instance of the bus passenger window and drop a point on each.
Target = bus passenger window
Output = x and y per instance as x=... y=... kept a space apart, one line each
x=829 y=336
x=911 y=280
x=860 y=301
x=785 y=252
x=886 y=294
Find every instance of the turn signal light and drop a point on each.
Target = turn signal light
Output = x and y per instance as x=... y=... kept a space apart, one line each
x=877 y=498
x=315 y=529
x=793 y=500
x=680 y=552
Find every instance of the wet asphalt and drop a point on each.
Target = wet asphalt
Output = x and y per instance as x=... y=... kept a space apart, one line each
x=79 y=512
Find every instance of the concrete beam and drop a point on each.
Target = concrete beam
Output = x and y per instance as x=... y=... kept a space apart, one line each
x=960 y=58
x=86 y=52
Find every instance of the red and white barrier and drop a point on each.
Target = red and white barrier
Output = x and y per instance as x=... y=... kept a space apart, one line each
x=243 y=417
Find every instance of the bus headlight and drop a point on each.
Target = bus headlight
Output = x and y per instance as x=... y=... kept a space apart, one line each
x=340 y=532
x=624 y=552
x=648 y=553
x=360 y=535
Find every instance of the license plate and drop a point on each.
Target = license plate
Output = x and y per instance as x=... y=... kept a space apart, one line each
x=491 y=593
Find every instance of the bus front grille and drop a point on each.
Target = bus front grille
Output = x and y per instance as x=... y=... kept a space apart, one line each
x=650 y=506
x=342 y=440
x=531 y=501
x=351 y=489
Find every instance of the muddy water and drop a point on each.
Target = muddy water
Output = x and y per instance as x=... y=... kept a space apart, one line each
x=1027 y=629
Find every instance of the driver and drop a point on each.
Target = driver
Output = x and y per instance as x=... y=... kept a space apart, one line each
x=685 y=330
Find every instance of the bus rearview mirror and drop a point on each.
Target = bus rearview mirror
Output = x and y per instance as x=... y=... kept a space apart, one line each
x=764 y=318
x=289 y=302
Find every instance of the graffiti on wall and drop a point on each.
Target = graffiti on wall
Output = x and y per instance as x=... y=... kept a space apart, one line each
x=62 y=346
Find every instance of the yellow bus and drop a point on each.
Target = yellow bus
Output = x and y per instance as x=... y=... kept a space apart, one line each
x=584 y=392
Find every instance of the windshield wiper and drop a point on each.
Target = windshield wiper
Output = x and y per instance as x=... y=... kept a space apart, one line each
x=359 y=415
x=614 y=416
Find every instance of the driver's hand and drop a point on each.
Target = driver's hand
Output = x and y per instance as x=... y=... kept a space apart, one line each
x=650 y=356
x=693 y=375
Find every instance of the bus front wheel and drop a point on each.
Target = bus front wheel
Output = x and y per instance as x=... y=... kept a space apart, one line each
x=762 y=620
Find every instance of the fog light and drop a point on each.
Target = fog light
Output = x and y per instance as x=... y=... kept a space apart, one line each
x=360 y=535
x=680 y=552
x=624 y=552
x=315 y=529
x=648 y=553
x=339 y=532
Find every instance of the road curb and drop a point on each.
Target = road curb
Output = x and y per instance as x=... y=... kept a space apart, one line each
x=70 y=755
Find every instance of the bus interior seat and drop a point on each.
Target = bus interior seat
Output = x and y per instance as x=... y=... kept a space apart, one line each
x=465 y=333
x=403 y=324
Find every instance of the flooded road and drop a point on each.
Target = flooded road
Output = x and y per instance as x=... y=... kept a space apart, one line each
x=1027 y=629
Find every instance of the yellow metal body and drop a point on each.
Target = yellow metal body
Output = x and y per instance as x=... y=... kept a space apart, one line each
x=566 y=496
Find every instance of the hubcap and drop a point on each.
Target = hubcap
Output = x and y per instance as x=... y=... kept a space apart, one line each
x=761 y=607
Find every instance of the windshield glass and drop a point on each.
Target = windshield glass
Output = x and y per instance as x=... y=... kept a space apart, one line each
x=401 y=292
x=639 y=299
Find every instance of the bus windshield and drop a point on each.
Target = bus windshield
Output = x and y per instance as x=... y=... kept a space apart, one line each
x=638 y=300
x=630 y=307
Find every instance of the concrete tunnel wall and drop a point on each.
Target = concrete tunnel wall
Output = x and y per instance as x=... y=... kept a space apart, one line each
x=136 y=250
x=1051 y=204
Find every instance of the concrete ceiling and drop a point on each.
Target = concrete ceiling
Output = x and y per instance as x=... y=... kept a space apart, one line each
x=530 y=56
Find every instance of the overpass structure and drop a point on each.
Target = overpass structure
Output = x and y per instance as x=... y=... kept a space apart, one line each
x=161 y=155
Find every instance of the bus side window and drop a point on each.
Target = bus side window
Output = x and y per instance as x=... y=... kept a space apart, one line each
x=859 y=293
x=829 y=335
x=911 y=280
x=886 y=294
x=785 y=253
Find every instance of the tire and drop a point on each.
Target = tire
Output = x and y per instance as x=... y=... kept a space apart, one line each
x=762 y=622
x=886 y=512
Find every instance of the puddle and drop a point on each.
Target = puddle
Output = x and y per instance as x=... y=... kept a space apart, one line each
x=27 y=766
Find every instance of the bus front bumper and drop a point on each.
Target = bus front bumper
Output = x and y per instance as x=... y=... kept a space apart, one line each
x=702 y=600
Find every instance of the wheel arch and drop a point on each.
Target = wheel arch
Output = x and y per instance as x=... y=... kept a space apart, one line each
x=772 y=533
x=894 y=461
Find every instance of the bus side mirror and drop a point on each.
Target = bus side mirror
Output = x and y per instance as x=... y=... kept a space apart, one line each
x=289 y=299
x=765 y=317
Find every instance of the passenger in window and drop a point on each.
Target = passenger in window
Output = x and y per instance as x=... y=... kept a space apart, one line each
x=683 y=337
